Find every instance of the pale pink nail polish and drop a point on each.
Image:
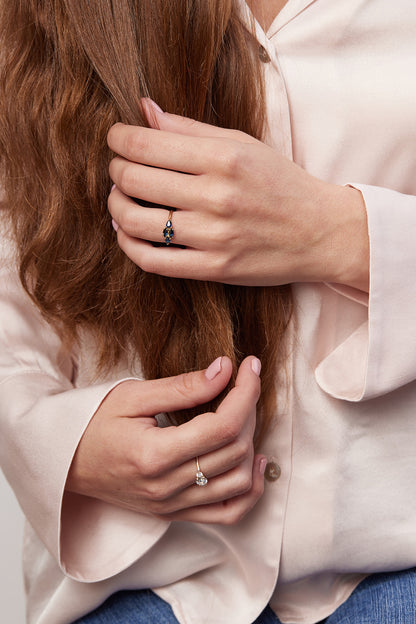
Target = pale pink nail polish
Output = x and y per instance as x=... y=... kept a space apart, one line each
x=262 y=465
x=112 y=188
x=115 y=225
x=256 y=366
x=213 y=369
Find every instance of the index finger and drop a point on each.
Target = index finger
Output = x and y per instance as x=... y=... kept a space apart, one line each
x=164 y=149
x=185 y=125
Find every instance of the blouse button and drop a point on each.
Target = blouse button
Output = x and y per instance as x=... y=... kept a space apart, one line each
x=264 y=55
x=272 y=472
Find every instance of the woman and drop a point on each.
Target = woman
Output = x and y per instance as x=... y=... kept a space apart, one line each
x=230 y=516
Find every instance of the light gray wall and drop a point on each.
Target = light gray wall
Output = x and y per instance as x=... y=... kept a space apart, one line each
x=11 y=582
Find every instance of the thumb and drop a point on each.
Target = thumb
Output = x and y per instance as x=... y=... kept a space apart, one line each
x=184 y=125
x=184 y=391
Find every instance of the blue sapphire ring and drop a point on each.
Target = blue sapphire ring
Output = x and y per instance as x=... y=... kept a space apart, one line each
x=168 y=231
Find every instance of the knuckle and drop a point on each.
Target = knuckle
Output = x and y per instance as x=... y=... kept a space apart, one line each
x=222 y=268
x=219 y=196
x=227 y=202
x=146 y=469
x=157 y=491
x=110 y=203
x=112 y=168
x=155 y=507
x=162 y=506
x=128 y=178
x=207 y=192
x=241 y=449
x=149 y=463
x=184 y=384
x=231 y=429
x=128 y=220
x=250 y=394
x=230 y=159
x=222 y=233
x=243 y=483
x=112 y=134
x=134 y=143
x=234 y=515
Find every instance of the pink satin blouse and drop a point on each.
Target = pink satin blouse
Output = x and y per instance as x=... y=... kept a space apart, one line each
x=341 y=99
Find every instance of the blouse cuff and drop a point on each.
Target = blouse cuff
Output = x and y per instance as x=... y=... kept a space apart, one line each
x=379 y=356
x=90 y=540
x=98 y=539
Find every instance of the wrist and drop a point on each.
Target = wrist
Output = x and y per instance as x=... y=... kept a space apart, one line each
x=347 y=242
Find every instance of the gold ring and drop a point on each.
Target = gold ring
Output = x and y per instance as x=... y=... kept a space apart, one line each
x=168 y=231
x=200 y=478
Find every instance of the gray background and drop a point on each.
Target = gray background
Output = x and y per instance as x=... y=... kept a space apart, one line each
x=12 y=605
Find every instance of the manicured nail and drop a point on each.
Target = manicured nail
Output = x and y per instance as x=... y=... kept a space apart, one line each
x=256 y=365
x=115 y=225
x=262 y=465
x=213 y=369
x=112 y=188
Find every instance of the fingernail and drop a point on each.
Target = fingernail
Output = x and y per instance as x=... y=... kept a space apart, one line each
x=115 y=225
x=262 y=465
x=112 y=188
x=213 y=369
x=256 y=365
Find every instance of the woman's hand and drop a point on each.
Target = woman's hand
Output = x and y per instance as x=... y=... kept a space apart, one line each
x=245 y=214
x=124 y=458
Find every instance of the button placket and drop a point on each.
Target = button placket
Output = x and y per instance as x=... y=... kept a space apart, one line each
x=278 y=133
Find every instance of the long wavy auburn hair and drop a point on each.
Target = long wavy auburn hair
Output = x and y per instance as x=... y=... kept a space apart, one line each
x=70 y=69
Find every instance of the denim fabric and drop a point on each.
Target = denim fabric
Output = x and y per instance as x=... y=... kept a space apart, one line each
x=145 y=607
x=388 y=598
x=131 y=607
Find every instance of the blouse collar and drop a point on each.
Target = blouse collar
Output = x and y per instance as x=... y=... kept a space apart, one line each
x=291 y=10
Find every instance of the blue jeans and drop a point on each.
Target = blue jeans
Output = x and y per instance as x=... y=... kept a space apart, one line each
x=388 y=598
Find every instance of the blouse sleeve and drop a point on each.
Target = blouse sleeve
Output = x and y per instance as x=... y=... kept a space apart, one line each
x=42 y=418
x=380 y=355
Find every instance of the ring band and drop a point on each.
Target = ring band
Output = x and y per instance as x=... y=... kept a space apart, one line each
x=168 y=231
x=200 y=478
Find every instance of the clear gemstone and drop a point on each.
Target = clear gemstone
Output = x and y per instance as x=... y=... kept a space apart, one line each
x=201 y=478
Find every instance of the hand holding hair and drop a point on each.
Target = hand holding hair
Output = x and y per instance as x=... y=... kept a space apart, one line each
x=244 y=213
x=124 y=458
